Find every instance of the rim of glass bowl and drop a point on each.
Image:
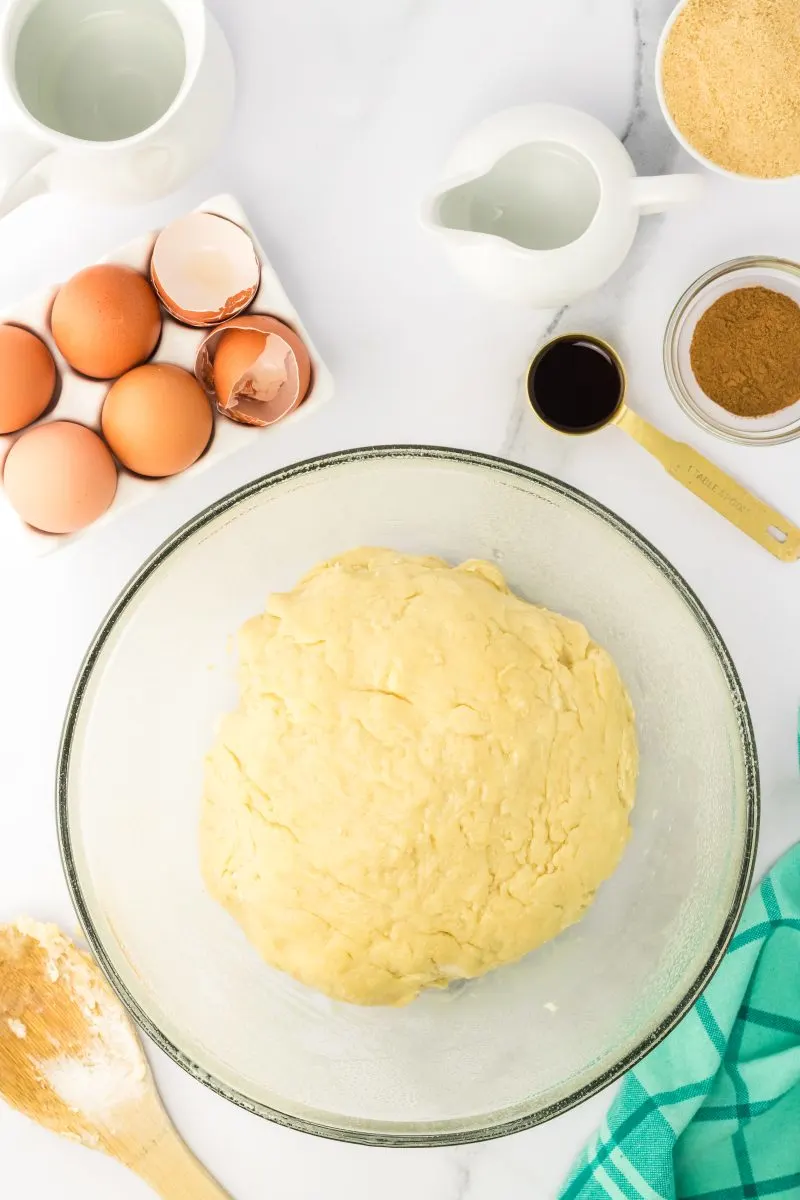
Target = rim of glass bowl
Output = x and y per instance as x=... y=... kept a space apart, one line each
x=766 y=437
x=399 y=1134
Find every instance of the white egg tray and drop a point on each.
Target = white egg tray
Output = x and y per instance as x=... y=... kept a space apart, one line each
x=81 y=399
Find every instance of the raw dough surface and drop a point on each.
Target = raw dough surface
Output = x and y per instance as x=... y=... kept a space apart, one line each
x=426 y=777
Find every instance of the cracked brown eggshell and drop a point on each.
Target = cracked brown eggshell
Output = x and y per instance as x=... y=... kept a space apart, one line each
x=256 y=369
x=204 y=269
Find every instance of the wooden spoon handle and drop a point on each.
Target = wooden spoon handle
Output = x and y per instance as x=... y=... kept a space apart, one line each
x=174 y=1173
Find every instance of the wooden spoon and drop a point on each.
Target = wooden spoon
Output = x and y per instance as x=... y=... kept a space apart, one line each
x=71 y=1059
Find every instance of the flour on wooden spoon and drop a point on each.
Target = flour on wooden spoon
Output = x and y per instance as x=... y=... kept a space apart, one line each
x=69 y=1056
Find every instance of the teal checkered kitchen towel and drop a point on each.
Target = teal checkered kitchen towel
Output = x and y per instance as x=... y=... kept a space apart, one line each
x=713 y=1113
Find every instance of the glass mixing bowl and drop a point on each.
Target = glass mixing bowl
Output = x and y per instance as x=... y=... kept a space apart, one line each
x=487 y=1057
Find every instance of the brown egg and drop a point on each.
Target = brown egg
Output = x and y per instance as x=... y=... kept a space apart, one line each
x=157 y=420
x=60 y=477
x=27 y=378
x=105 y=320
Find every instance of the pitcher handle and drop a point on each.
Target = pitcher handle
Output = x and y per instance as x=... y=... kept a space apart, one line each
x=655 y=193
x=20 y=155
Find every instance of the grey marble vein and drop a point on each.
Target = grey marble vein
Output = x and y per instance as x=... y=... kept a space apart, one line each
x=461 y=1182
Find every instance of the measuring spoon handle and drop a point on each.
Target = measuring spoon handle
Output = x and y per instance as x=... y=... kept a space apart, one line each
x=708 y=482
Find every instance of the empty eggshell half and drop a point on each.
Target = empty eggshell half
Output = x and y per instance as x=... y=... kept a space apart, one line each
x=204 y=269
x=256 y=368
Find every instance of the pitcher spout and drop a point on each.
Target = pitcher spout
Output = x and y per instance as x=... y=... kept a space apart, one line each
x=441 y=213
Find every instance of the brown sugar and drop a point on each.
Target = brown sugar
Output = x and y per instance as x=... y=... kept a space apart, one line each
x=731 y=77
x=745 y=352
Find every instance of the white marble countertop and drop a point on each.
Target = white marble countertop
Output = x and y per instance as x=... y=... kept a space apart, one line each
x=346 y=112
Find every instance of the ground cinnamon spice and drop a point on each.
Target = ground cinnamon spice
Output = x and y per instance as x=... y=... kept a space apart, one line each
x=745 y=352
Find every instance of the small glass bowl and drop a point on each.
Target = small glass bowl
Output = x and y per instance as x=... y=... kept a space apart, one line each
x=778 y=274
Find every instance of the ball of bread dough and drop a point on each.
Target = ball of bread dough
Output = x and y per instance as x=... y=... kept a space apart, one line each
x=426 y=777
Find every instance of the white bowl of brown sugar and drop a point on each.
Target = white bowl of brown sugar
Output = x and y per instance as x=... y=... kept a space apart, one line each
x=732 y=351
x=728 y=81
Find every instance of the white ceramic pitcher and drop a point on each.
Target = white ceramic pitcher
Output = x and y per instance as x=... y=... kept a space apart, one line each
x=118 y=100
x=541 y=204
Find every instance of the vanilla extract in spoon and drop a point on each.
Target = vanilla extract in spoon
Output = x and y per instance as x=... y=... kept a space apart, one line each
x=577 y=385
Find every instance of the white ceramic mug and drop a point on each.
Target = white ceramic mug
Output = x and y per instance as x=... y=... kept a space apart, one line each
x=118 y=100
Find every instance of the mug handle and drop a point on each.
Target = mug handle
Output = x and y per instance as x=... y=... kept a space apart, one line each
x=20 y=155
x=654 y=193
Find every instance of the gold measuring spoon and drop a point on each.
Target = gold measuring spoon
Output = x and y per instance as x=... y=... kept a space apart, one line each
x=71 y=1060
x=577 y=385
